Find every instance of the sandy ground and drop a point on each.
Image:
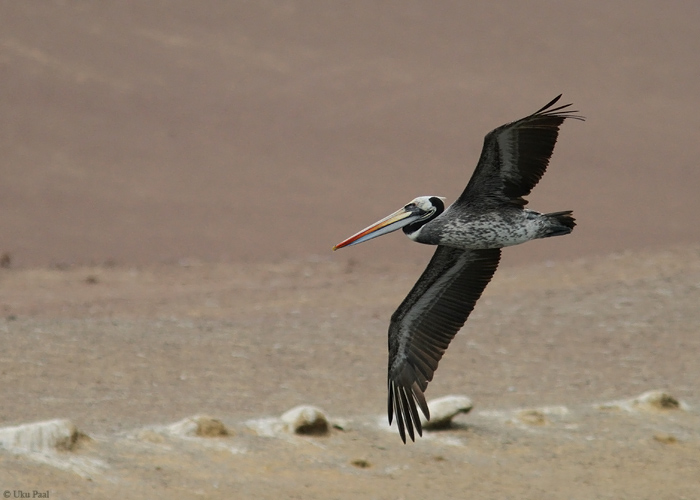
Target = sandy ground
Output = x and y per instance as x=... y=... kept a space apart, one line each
x=174 y=174
x=119 y=350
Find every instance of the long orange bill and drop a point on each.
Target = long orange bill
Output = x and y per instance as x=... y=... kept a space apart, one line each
x=388 y=224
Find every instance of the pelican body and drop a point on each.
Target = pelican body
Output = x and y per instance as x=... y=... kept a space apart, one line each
x=489 y=214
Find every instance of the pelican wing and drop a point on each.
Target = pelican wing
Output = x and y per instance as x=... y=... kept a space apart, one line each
x=515 y=157
x=426 y=321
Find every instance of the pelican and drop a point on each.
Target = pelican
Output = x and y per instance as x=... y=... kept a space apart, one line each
x=489 y=214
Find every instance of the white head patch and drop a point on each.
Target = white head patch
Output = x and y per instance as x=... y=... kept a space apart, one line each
x=424 y=203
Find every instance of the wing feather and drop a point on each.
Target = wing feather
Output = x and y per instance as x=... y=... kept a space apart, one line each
x=515 y=156
x=425 y=323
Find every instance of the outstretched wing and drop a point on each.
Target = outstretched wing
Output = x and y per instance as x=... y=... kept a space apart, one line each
x=426 y=321
x=515 y=157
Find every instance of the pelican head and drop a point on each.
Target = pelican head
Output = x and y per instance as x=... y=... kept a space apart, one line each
x=414 y=214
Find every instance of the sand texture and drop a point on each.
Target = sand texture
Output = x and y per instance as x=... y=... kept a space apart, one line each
x=551 y=358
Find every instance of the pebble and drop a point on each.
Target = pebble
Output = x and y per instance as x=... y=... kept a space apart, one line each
x=361 y=463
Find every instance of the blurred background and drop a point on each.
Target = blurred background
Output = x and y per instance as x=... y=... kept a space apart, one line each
x=141 y=132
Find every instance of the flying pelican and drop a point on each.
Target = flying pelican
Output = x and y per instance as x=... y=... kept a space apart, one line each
x=490 y=214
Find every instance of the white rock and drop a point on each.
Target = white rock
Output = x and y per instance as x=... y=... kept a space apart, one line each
x=305 y=420
x=656 y=400
x=199 y=426
x=50 y=435
x=649 y=401
x=46 y=442
x=443 y=410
